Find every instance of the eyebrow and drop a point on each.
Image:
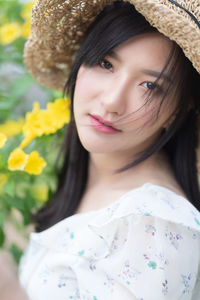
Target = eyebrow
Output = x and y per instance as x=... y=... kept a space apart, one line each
x=157 y=74
x=153 y=73
x=113 y=54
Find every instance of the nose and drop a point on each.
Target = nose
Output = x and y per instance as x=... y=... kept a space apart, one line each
x=114 y=96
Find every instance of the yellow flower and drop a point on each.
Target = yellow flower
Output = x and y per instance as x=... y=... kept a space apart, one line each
x=26 y=29
x=32 y=126
x=9 y=32
x=32 y=164
x=17 y=160
x=35 y=164
x=26 y=10
x=3 y=140
x=3 y=180
x=39 y=122
x=60 y=112
x=47 y=124
x=40 y=192
x=26 y=141
x=11 y=128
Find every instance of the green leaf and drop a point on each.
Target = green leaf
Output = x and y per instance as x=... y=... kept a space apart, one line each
x=15 y=202
x=9 y=188
x=2 y=237
x=26 y=218
x=16 y=252
x=1 y=219
x=12 y=10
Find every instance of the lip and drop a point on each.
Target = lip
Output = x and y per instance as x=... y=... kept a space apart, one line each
x=102 y=125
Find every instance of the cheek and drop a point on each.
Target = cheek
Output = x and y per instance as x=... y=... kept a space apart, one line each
x=87 y=86
x=82 y=87
x=139 y=114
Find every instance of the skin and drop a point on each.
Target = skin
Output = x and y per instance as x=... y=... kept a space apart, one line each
x=115 y=90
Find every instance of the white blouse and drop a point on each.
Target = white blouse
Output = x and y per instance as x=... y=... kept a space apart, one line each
x=145 y=246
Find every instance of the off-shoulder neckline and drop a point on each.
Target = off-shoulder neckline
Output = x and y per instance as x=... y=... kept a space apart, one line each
x=126 y=194
x=118 y=202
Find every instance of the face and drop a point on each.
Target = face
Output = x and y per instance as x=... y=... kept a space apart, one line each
x=109 y=98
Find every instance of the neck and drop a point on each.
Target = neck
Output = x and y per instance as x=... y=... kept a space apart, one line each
x=102 y=170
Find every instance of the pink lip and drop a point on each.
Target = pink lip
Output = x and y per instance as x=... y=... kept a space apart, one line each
x=102 y=125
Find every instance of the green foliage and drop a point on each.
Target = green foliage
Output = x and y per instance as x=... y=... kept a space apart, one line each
x=19 y=191
x=2 y=237
x=16 y=252
x=11 y=9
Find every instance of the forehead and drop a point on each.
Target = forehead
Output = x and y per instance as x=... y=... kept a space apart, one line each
x=152 y=49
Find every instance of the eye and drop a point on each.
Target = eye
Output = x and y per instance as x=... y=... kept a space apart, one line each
x=151 y=86
x=105 y=64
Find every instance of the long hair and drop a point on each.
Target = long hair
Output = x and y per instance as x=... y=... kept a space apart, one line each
x=117 y=23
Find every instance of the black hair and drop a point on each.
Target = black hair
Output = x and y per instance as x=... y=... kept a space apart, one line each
x=117 y=23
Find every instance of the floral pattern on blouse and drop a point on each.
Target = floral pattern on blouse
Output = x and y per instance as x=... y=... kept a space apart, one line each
x=144 y=246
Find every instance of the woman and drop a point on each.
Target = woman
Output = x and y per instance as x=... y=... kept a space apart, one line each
x=125 y=216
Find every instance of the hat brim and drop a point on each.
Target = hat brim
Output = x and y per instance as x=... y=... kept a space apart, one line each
x=58 y=28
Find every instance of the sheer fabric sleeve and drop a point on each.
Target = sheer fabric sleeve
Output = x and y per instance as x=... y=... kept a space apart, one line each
x=153 y=246
x=149 y=259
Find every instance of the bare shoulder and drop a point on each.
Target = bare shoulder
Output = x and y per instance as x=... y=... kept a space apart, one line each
x=173 y=186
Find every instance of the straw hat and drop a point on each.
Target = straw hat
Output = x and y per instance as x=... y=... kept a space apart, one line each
x=58 y=27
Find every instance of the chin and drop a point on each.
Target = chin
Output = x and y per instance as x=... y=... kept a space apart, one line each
x=93 y=147
x=95 y=142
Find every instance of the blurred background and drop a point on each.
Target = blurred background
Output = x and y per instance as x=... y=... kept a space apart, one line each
x=27 y=173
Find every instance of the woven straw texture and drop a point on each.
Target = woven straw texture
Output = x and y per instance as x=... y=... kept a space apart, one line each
x=58 y=27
